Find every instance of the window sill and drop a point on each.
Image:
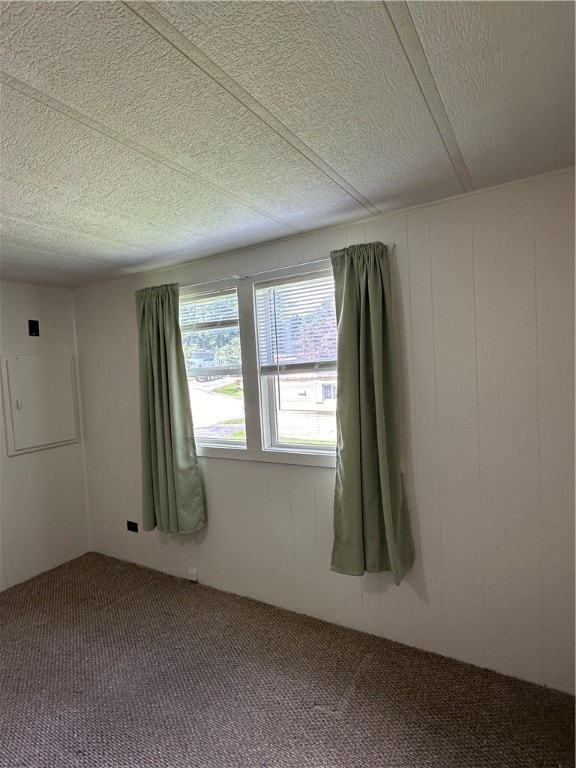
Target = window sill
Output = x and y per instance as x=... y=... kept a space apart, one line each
x=269 y=456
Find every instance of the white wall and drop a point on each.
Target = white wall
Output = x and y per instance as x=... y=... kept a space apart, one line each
x=43 y=510
x=484 y=306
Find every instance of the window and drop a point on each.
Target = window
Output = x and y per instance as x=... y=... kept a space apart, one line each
x=261 y=365
x=211 y=341
x=296 y=326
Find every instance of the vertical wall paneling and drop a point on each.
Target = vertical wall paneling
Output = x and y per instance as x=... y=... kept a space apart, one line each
x=347 y=600
x=241 y=519
x=219 y=544
x=248 y=538
x=305 y=540
x=299 y=250
x=276 y=537
x=483 y=308
x=503 y=230
x=425 y=423
x=296 y=247
x=355 y=233
x=42 y=494
x=108 y=356
x=373 y=586
x=324 y=506
x=457 y=427
x=554 y=235
x=332 y=240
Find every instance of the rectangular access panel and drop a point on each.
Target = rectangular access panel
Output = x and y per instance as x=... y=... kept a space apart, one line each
x=39 y=402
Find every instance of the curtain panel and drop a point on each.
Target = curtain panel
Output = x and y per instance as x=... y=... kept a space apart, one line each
x=172 y=495
x=371 y=524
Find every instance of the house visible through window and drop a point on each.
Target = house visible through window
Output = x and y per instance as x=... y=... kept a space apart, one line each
x=282 y=333
x=296 y=326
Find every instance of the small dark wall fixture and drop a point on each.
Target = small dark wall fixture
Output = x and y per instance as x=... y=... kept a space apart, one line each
x=132 y=526
x=33 y=328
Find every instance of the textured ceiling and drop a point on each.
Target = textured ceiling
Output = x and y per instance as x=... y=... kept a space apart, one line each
x=141 y=135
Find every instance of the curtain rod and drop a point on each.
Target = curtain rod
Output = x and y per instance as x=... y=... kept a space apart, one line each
x=289 y=266
x=239 y=277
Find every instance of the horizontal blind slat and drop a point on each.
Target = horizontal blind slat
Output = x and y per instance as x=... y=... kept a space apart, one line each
x=325 y=365
x=216 y=372
x=296 y=323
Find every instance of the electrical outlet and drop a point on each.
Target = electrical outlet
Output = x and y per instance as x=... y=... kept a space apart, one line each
x=132 y=526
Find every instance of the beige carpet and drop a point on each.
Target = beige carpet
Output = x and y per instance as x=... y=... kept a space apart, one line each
x=107 y=664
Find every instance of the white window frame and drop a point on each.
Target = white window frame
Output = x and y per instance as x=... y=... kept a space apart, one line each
x=257 y=429
x=267 y=389
x=185 y=296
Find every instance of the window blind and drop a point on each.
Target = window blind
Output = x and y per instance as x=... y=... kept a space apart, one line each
x=209 y=310
x=296 y=325
x=211 y=334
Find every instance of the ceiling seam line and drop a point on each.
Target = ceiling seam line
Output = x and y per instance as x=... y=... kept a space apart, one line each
x=113 y=135
x=230 y=247
x=144 y=11
x=54 y=253
x=401 y=18
x=69 y=231
x=217 y=241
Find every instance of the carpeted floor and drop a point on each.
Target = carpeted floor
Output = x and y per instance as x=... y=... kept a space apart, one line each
x=110 y=665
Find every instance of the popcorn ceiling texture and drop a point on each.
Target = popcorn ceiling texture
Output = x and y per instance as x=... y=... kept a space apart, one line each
x=504 y=131
x=141 y=135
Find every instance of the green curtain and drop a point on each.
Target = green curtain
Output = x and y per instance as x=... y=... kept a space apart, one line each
x=172 y=496
x=371 y=523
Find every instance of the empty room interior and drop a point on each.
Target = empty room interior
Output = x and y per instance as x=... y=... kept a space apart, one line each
x=287 y=349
